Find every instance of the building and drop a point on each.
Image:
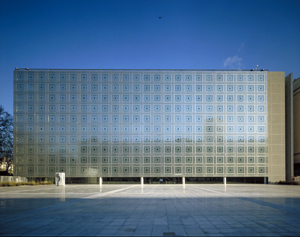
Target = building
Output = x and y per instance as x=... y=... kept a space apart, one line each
x=296 y=116
x=149 y=123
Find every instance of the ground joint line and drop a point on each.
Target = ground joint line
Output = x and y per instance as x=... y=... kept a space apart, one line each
x=213 y=191
x=109 y=192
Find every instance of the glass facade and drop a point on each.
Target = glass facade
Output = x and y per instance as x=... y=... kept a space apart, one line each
x=133 y=123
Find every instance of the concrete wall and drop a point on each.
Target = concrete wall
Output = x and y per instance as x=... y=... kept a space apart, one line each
x=276 y=126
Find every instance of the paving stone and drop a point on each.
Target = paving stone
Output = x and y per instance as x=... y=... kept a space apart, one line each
x=129 y=210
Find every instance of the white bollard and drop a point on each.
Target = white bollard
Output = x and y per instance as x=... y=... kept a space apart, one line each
x=60 y=179
x=142 y=180
x=224 y=180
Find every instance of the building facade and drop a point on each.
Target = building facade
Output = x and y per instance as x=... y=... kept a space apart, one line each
x=149 y=123
x=296 y=128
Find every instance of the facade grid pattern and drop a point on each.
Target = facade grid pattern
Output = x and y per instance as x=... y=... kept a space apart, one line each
x=133 y=123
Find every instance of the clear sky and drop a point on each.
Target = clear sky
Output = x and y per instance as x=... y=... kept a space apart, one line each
x=147 y=34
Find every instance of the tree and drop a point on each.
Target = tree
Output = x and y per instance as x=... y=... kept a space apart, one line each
x=8 y=163
x=6 y=134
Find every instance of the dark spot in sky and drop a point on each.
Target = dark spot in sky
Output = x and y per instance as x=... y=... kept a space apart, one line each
x=159 y=17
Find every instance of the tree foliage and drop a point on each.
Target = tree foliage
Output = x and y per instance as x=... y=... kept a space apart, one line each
x=6 y=134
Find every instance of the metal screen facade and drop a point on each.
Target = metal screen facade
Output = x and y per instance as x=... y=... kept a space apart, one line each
x=140 y=123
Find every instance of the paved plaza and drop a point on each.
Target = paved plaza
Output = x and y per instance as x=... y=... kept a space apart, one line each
x=151 y=210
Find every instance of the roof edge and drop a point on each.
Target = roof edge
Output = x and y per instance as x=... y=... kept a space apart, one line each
x=60 y=69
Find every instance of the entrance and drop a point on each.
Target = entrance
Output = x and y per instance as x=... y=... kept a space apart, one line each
x=165 y=180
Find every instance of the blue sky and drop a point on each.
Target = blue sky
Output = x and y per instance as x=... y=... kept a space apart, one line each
x=129 y=34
